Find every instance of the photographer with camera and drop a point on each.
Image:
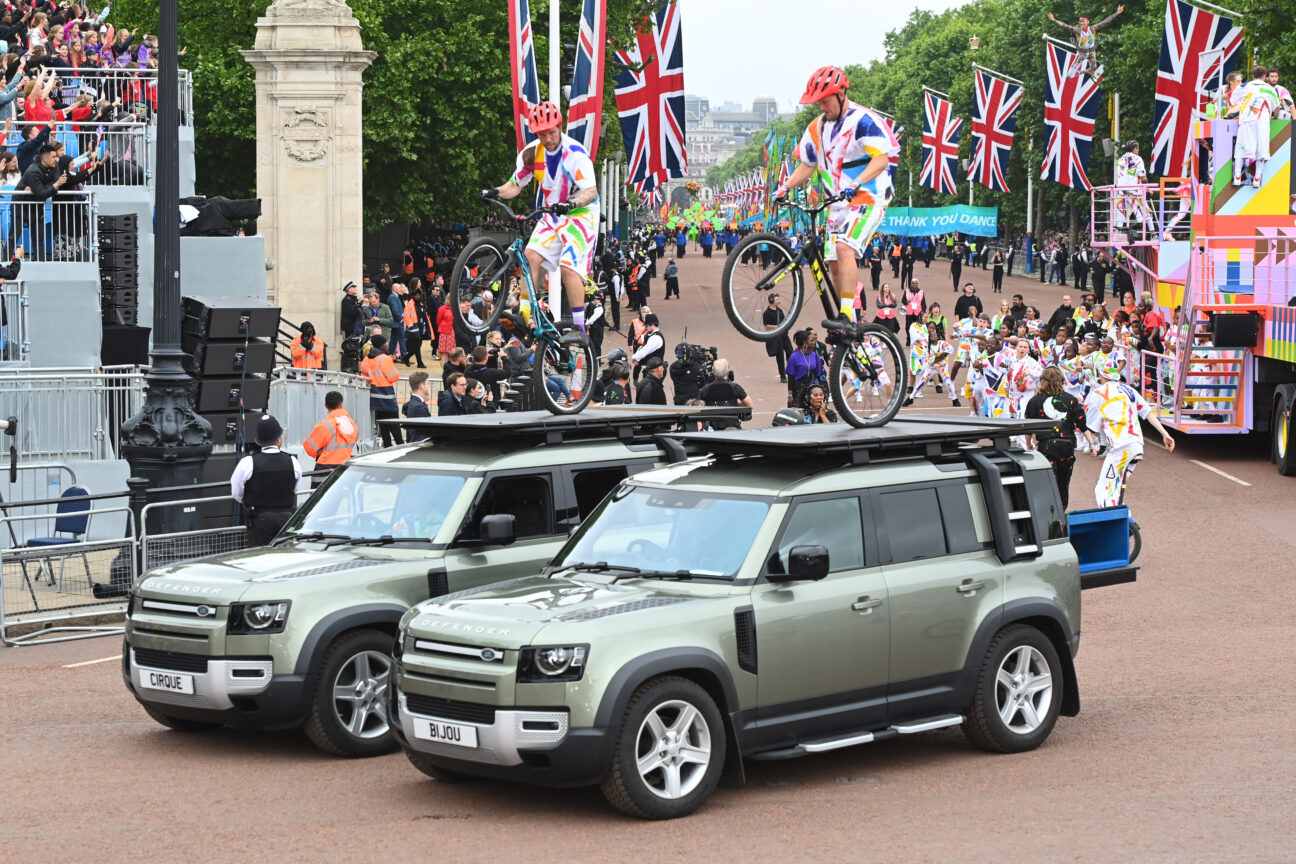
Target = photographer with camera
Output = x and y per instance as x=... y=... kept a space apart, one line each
x=690 y=372
x=723 y=391
x=486 y=367
x=307 y=349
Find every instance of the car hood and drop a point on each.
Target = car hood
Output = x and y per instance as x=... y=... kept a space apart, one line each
x=515 y=611
x=226 y=578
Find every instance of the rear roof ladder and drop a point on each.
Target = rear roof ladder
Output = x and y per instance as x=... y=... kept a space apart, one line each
x=1003 y=483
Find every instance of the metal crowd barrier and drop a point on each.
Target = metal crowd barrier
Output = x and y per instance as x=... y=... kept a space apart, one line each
x=37 y=481
x=297 y=402
x=14 y=345
x=70 y=413
x=41 y=586
x=127 y=144
x=64 y=229
x=136 y=88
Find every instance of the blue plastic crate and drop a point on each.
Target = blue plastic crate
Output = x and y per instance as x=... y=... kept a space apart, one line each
x=1100 y=537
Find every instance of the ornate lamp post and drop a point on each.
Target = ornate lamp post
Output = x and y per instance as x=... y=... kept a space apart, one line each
x=167 y=442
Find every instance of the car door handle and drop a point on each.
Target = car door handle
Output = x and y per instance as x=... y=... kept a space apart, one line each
x=967 y=586
x=865 y=604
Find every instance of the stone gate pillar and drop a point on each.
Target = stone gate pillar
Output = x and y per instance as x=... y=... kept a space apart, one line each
x=309 y=60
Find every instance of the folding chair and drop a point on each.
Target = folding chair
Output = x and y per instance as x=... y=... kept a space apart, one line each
x=71 y=523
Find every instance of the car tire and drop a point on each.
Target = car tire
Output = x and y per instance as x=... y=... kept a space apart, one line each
x=680 y=721
x=1018 y=693
x=348 y=708
x=436 y=772
x=180 y=724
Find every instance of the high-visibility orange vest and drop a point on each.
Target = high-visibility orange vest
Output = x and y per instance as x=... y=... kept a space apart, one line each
x=303 y=359
x=638 y=330
x=332 y=439
x=411 y=315
x=407 y=265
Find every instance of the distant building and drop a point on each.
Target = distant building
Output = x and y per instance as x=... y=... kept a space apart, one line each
x=713 y=136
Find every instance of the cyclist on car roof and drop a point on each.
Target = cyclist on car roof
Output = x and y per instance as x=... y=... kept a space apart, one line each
x=562 y=240
x=850 y=148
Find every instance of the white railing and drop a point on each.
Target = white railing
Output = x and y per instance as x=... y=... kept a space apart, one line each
x=70 y=413
x=136 y=88
x=13 y=322
x=63 y=229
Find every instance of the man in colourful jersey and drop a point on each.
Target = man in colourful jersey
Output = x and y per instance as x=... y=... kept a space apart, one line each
x=1086 y=36
x=562 y=240
x=850 y=147
x=1130 y=171
x=1284 y=110
x=1112 y=410
x=1259 y=101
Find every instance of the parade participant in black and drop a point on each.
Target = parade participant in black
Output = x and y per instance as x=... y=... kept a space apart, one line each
x=781 y=347
x=1052 y=402
x=875 y=267
x=956 y=265
x=998 y=263
x=265 y=483
x=651 y=391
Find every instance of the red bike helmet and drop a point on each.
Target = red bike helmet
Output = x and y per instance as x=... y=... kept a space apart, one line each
x=824 y=82
x=544 y=117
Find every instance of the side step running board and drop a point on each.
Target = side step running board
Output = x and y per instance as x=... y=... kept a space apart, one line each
x=823 y=745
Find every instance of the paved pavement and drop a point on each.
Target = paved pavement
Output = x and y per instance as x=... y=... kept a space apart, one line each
x=1184 y=750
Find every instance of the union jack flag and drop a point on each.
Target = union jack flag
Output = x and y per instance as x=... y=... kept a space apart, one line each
x=1070 y=108
x=994 y=120
x=650 y=102
x=585 y=112
x=940 y=144
x=526 y=87
x=1193 y=46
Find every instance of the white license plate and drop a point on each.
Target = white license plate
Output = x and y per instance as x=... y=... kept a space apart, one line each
x=445 y=733
x=172 y=682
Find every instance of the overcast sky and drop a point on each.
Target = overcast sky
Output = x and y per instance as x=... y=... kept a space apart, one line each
x=737 y=50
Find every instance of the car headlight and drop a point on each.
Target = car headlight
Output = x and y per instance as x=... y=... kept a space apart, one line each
x=543 y=663
x=269 y=616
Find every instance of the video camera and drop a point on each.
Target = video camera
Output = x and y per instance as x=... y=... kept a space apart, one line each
x=699 y=354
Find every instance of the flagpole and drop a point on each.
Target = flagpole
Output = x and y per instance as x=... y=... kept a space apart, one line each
x=555 y=96
x=1030 y=185
x=989 y=71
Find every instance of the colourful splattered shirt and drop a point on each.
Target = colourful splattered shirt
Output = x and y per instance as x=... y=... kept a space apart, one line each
x=560 y=174
x=843 y=148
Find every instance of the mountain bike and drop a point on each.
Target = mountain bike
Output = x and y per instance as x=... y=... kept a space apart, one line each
x=868 y=374
x=494 y=281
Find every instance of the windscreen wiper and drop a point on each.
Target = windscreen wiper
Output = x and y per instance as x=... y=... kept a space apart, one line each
x=674 y=575
x=601 y=567
x=312 y=536
x=384 y=540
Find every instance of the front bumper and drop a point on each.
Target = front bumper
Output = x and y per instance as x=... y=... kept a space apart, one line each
x=239 y=691
x=526 y=745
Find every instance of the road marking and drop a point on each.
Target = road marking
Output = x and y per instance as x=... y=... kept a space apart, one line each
x=1223 y=474
x=92 y=662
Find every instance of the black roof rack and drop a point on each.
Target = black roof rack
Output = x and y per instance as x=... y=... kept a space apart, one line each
x=619 y=422
x=923 y=435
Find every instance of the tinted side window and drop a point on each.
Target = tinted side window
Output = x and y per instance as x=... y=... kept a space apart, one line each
x=833 y=523
x=529 y=499
x=956 y=513
x=593 y=485
x=912 y=521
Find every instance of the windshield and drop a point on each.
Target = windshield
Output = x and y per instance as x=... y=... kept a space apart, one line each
x=362 y=502
x=669 y=530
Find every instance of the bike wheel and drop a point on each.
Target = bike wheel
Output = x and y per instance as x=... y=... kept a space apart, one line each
x=868 y=377
x=749 y=279
x=563 y=376
x=483 y=265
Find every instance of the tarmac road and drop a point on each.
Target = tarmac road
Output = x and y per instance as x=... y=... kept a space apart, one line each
x=1184 y=750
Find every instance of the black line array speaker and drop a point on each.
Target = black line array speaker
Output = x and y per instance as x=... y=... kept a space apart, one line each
x=222 y=394
x=230 y=318
x=124 y=345
x=203 y=357
x=119 y=270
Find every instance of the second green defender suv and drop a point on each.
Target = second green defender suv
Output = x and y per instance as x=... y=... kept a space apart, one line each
x=795 y=591
x=300 y=633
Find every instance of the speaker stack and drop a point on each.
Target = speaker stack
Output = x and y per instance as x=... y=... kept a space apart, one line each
x=124 y=342
x=229 y=343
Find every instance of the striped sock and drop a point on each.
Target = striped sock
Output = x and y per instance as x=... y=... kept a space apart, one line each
x=578 y=319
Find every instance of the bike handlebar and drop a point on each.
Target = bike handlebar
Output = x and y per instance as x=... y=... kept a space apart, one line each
x=518 y=217
x=813 y=211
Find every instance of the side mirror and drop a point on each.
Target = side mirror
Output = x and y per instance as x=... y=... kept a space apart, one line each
x=498 y=529
x=805 y=564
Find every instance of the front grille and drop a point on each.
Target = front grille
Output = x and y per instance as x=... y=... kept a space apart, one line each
x=170 y=660
x=449 y=709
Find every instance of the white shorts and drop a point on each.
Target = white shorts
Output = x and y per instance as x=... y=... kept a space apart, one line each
x=567 y=241
x=853 y=226
x=1252 y=142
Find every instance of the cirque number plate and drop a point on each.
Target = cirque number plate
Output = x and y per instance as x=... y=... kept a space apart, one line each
x=445 y=733
x=171 y=682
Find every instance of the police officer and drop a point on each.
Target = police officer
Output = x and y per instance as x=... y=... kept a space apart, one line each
x=654 y=344
x=333 y=438
x=265 y=483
